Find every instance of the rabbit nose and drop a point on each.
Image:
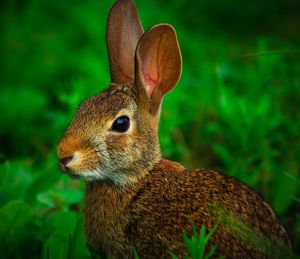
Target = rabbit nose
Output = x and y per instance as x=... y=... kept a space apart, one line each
x=66 y=160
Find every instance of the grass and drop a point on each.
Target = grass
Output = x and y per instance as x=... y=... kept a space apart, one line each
x=236 y=108
x=198 y=243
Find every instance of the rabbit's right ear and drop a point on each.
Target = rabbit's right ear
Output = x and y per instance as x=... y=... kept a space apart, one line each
x=158 y=65
x=123 y=33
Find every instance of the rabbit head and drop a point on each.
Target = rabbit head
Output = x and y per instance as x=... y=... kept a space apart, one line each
x=113 y=136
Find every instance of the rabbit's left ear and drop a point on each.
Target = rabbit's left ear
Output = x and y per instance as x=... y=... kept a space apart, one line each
x=157 y=63
x=123 y=33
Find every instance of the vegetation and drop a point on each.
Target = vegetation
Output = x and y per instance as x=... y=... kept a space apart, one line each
x=235 y=110
x=197 y=243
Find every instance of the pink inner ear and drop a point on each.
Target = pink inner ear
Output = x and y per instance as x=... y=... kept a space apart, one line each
x=151 y=76
x=158 y=61
x=151 y=66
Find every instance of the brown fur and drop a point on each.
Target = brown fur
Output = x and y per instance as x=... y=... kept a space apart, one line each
x=134 y=198
x=151 y=216
x=124 y=30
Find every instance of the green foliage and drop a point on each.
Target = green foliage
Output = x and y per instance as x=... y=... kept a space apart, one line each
x=13 y=217
x=236 y=108
x=197 y=244
x=69 y=243
x=135 y=254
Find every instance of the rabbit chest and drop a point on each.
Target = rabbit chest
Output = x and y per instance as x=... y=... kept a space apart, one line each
x=118 y=221
x=106 y=219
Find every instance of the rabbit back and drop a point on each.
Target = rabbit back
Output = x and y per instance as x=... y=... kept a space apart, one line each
x=166 y=202
x=173 y=198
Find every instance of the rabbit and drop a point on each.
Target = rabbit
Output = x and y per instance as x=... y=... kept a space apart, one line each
x=135 y=199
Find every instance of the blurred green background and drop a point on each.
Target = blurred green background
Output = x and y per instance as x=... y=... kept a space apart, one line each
x=236 y=108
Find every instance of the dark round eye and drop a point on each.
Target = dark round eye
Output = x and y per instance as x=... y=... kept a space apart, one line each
x=121 y=124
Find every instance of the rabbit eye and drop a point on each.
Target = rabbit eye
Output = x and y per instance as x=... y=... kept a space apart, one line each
x=121 y=124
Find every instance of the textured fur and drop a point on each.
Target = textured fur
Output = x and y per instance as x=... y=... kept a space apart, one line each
x=151 y=216
x=136 y=199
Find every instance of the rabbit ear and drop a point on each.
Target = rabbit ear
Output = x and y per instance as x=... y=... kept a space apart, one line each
x=123 y=33
x=158 y=63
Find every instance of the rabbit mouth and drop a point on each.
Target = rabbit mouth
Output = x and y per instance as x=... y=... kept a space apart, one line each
x=89 y=175
x=66 y=170
x=74 y=176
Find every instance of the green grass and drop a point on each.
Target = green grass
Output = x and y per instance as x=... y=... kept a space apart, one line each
x=197 y=243
x=235 y=109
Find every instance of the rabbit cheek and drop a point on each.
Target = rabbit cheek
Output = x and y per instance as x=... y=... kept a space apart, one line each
x=119 y=148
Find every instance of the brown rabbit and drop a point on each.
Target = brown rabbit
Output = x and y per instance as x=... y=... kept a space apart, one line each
x=134 y=198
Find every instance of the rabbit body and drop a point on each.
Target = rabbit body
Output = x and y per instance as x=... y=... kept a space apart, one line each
x=135 y=199
x=151 y=216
